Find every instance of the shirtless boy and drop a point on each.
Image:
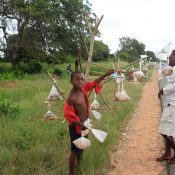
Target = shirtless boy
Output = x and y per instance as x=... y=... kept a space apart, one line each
x=76 y=111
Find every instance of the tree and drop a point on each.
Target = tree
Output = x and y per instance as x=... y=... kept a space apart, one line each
x=130 y=49
x=151 y=56
x=101 y=51
x=42 y=28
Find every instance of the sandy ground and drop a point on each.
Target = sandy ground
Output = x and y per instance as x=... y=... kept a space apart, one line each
x=140 y=143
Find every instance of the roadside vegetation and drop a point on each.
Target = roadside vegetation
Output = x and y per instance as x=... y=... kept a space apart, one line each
x=30 y=145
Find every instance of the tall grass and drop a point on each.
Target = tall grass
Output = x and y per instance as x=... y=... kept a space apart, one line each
x=29 y=145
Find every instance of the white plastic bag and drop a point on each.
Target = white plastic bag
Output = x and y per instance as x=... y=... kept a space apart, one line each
x=54 y=95
x=96 y=114
x=139 y=75
x=87 y=123
x=120 y=79
x=117 y=94
x=100 y=135
x=49 y=116
x=95 y=104
x=82 y=143
x=121 y=95
x=84 y=132
x=167 y=71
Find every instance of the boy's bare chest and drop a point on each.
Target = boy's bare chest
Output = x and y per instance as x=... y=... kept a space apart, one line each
x=79 y=99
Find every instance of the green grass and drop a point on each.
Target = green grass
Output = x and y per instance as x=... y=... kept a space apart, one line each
x=29 y=145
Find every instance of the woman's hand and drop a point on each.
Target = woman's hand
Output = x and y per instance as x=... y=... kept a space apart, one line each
x=160 y=93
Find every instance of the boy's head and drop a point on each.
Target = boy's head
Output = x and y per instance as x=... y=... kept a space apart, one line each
x=77 y=79
x=172 y=58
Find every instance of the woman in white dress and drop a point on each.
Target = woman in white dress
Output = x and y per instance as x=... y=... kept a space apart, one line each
x=167 y=121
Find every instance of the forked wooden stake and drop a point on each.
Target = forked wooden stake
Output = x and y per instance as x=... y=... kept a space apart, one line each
x=57 y=87
x=59 y=90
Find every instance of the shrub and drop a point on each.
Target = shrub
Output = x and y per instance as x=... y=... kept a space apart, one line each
x=8 y=109
x=33 y=67
x=5 y=68
x=58 y=72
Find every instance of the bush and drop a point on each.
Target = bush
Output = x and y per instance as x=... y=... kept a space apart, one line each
x=32 y=67
x=8 y=109
x=35 y=67
x=5 y=68
x=58 y=72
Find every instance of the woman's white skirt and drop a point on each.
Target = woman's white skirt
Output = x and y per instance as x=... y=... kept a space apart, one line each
x=167 y=121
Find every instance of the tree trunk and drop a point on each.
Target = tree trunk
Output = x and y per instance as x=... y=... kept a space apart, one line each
x=90 y=57
x=90 y=51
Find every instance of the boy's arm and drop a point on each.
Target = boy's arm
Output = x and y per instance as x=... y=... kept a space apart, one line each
x=80 y=124
x=99 y=79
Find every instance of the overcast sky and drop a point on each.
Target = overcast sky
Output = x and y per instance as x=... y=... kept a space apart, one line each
x=151 y=22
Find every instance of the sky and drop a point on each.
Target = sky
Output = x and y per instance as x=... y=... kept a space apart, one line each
x=151 y=22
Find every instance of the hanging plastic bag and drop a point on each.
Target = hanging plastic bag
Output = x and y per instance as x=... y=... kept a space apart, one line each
x=117 y=94
x=121 y=95
x=139 y=75
x=54 y=95
x=87 y=123
x=100 y=135
x=120 y=78
x=167 y=71
x=145 y=70
x=96 y=114
x=95 y=104
x=49 y=116
x=84 y=132
x=82 y=143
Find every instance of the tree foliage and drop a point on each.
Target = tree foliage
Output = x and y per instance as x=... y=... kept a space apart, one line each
x=130 y=49
x=40 y=29
x=101 y=51
x=151 y=56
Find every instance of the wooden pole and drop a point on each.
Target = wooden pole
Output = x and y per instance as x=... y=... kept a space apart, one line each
x=104 y=101
x=98 y=72
x=134 y=62
x=108 y=108
x=79 y=59
x=100 y=66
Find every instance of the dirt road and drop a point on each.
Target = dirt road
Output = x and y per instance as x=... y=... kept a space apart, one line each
x=140 y=142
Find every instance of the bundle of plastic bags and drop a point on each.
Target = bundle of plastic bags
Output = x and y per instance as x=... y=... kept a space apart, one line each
x=167 y=71
x=54 y=95
x=95 y=104
x=139 y=75
x=121 y=94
